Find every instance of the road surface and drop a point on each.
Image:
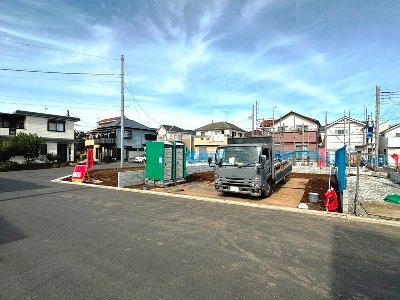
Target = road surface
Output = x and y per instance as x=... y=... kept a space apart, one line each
x=63 y=241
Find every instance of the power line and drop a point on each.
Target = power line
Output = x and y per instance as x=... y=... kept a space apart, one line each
x=134 y=99
x=57 y=72
x=54 y=49
x=41 y=99
x=55 y=79
x=58 y=106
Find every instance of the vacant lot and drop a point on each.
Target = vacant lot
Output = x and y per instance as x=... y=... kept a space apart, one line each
x=295 y=190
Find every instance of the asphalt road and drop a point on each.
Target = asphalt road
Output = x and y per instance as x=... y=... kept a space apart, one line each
x=63 y=241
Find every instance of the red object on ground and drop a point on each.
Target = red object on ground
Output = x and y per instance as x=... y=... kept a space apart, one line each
x=331 y=202
x=89 y=158
x=396 y=158
x=79 y=173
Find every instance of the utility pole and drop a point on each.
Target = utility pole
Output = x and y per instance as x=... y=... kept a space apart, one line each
x=122 y=113
x=325 y=133
x=252 y=122
x=273 y=132
x=377 y=112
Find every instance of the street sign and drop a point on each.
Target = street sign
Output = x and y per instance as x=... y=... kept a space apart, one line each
x=79 y=173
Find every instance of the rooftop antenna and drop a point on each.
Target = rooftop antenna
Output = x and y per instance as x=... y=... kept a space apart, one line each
x=226 y=115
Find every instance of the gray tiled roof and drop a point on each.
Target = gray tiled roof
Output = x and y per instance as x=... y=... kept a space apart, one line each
x=127 y=124
x=219 y=126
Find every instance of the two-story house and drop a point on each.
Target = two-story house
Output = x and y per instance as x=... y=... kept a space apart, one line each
x=389 y=143
x=106 y=139
x=210 y=136
x=294 y=132
x=57 y=131
x=351 y=133
x=173 y=133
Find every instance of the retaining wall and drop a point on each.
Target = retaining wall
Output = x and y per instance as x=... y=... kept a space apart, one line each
x=129 y=178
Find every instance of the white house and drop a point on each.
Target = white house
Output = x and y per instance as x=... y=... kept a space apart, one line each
x=174 y=133
x=389 y=143
x=210 y=136
x=57 y=131
x=350 y=132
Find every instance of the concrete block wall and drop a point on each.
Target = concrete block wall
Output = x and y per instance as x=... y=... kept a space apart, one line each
x=129 y=178
x=191 y=169
x=313 y=170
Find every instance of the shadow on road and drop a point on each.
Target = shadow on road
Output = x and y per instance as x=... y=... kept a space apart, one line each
x=12 y=185
x=8 y=233
x=366 y=263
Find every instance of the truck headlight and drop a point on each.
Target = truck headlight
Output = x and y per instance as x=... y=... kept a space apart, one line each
x=256 y=181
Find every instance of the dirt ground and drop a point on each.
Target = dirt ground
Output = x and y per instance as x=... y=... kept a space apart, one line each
x=289 y=194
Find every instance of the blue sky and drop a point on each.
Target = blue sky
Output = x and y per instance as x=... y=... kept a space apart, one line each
x=191 y=62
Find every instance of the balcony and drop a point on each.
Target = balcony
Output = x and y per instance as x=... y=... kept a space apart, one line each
x=105 y=140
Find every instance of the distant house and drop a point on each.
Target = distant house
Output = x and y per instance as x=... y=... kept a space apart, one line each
x=106 y=139
x=57 y=131
x=389 y=143
x=210 y=136
x=294 y=132
x=350 y=132
x=173 y=133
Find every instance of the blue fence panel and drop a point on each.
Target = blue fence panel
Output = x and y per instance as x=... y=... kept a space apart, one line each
x=340 y=163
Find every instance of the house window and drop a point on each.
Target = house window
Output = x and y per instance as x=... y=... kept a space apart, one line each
x=178 y=137
x=56 y=126
x=281 y=128
x=127 y=134
x=203 y=134
x=397 y=134
x=341 y=132
x=4 y=123
x=150 y=137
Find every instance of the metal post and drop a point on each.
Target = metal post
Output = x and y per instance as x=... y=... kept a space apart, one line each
x=122 y=113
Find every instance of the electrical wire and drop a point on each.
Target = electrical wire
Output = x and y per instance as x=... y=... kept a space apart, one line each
x=58 y=72
x=54 y=49
x=135 y=101
x=55 y=79
x=59 y=106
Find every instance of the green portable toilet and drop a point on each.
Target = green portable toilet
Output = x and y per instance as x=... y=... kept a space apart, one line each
x=179 y=165
x=159 y=163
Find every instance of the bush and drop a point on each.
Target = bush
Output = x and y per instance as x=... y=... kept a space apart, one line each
x=9 y=166
x=51 y=157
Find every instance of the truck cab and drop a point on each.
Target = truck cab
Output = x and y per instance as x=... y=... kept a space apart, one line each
x=248 y=168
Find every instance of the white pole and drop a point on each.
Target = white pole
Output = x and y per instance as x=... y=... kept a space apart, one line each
x=122 y=112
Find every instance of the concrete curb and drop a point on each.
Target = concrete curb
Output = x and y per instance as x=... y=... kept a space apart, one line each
x=239 y=203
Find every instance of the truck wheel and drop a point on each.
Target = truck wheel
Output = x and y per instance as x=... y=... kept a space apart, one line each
x=268 y=189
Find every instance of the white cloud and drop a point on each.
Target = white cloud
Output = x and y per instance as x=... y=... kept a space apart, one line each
x=171 y=85
x=252 y=7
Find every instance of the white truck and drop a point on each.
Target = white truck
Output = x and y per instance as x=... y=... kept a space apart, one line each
x=247 y=166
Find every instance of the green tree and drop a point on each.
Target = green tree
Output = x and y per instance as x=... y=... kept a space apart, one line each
x=8 y=149
x=28 y=145
x=80 y=146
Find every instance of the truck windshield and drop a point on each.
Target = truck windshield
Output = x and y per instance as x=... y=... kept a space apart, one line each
x=238 y=155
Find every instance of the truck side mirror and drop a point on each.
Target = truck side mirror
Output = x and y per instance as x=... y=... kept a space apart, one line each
x=263 y=159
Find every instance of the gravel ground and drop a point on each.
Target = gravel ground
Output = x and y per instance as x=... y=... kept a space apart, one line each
x=373 y=187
